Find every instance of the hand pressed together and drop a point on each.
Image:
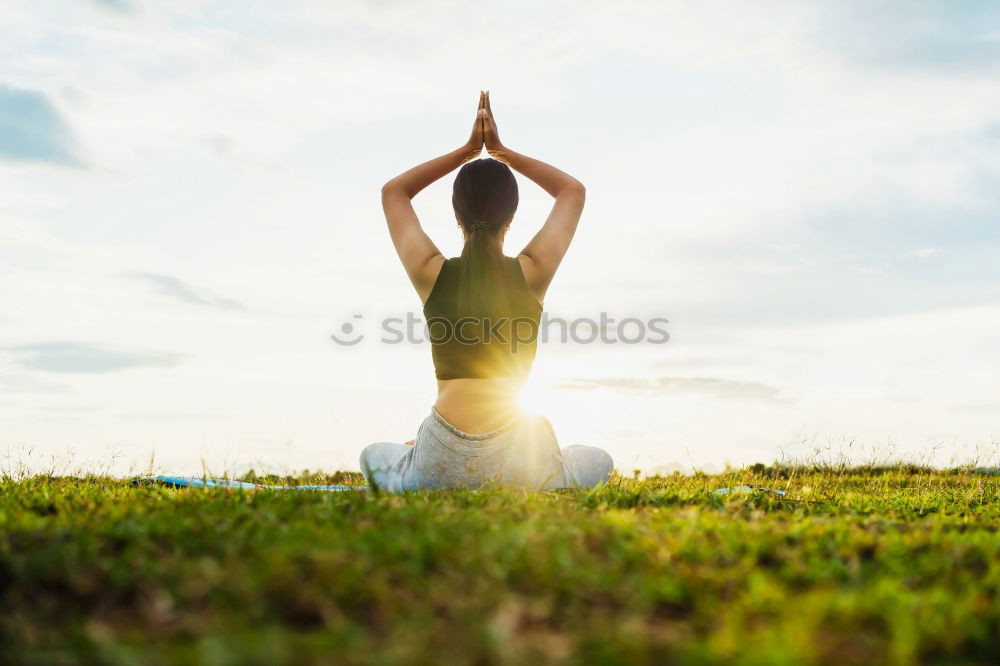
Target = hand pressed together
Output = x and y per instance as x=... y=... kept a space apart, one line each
x=484 y=129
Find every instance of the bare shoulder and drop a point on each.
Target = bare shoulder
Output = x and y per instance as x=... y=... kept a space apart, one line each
x=533 y=276
x=427 y=276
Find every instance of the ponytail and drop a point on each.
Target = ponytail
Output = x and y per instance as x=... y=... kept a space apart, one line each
x=485 y=198
x=481 y=273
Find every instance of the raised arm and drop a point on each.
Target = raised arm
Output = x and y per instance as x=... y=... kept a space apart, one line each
x=541 y=257
x=421 y=258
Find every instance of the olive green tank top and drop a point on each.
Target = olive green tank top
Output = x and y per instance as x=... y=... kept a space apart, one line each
x=501 y=343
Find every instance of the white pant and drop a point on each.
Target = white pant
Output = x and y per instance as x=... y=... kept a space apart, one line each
x=523 y=453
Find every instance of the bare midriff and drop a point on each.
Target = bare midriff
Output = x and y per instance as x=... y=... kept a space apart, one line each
x=478 y=405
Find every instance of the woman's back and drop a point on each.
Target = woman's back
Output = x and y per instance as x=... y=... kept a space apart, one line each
x=481 y=359
x=496 y=341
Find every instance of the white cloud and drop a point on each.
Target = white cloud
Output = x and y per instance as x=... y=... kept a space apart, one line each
x=182 y=291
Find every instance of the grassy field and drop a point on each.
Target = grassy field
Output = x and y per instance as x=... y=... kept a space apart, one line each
x=880 y=566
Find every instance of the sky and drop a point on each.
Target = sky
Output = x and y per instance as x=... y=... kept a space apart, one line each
x=806 y=192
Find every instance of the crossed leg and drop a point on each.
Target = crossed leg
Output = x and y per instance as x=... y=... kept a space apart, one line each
x=586 y=466
x=378 y=458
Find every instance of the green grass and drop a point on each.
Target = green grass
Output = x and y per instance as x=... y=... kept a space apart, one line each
x=874 y=566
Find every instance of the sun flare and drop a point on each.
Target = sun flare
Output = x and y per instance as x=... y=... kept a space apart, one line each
x=542 y=394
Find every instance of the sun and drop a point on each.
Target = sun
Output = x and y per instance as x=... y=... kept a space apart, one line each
x=541 y=394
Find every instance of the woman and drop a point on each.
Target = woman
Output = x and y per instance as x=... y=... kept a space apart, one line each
x=482 y=310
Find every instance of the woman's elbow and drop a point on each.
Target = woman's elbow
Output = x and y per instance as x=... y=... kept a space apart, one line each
x=394 y=189
x=574 y=188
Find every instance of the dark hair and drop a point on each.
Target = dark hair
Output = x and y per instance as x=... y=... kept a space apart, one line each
x=484 y=197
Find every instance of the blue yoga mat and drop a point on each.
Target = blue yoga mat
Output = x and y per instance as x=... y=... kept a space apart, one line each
x=202 y=482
